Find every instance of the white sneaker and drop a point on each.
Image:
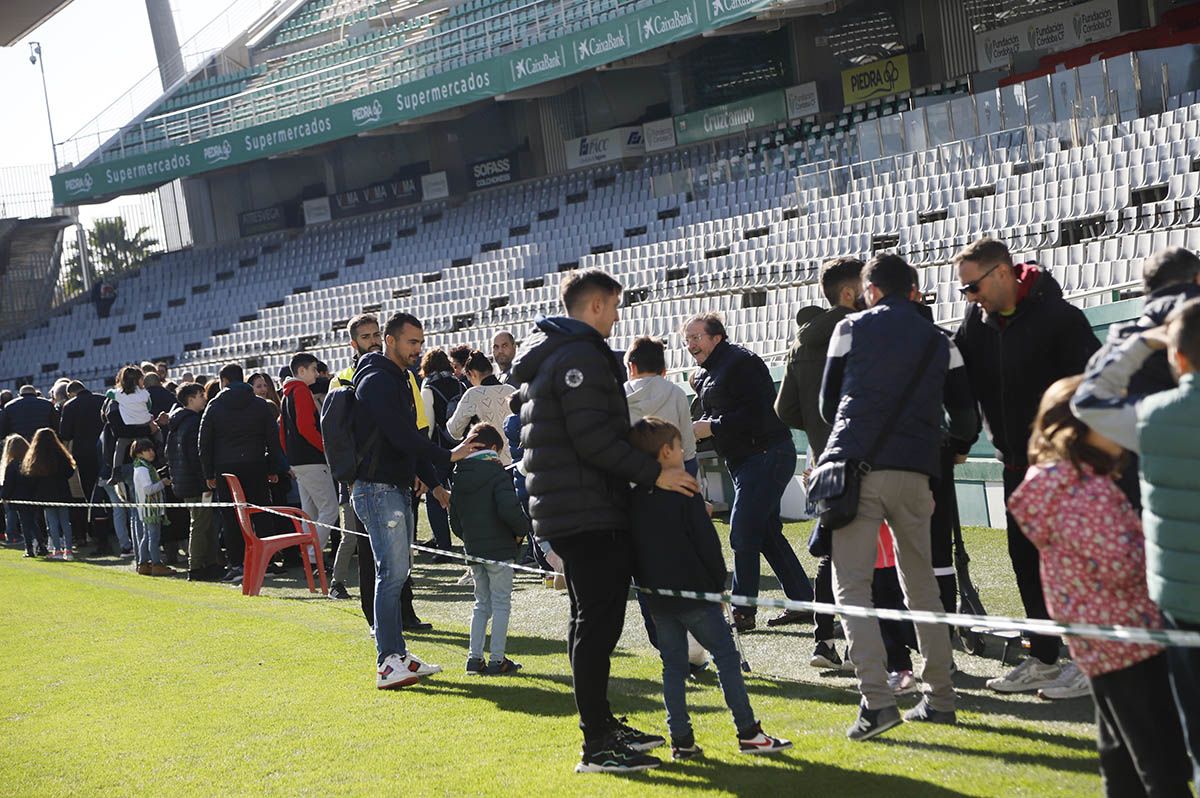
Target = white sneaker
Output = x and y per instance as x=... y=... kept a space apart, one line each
x=1030 y=675
x=398 y=671
x=902 y=682
x=1071 y=683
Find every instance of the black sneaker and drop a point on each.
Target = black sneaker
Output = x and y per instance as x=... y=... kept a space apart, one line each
x=744 y=621
x=826 y=658
x=207 y=573
x=475 y=665
x=637 y=740
x=613 y=756
x=276 y=569
x=415 y=624
x=232 y=575
x=685 y=749
x=503 y=667
x=873 y=722
x=338 y=591
x=924 y=713
x=42 y=551
x=789 y=617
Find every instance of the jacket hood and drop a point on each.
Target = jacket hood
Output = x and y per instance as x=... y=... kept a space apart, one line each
x=1160 y=303
x=816 y=334
x=650 y=395
x=375 y=363
x=550 y=332
x=178 y=416
x=237 y=395
x=475 y=473
x=1033 y=283
x=291 y=385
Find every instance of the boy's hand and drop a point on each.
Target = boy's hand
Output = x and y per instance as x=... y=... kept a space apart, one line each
x=465 y=449
x=677 y=480
x=1156 y=338
x=443 y=497
x=418 y=488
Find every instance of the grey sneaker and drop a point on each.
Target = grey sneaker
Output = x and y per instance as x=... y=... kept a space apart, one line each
x=1030 y=676
x=873 y=722
x=924 y=713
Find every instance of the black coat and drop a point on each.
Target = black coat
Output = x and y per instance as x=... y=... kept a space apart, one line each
x=1046 y=339
x=799 y=402
x=675 y=547
x=238 y=428
x=1155 y=374
x=575 y=430
x=183 y=454
x=55 y=487
x=26 y=415
x=736 y=391
x=81 y=425
x=161 y=400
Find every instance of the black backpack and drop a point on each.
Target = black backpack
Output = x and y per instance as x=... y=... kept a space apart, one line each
x=450 y=404
x=337 y=433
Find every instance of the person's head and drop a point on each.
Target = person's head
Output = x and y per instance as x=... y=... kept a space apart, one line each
x=191 y=395
x=592 y=296
x=187 y=377
x=264 y=386
x=15 y=448
x=915 y=293
x=1059 y=436
x=436 y=362
x=322 y=368
x=148 y=367
x=142 y=448
x=130 y=378
x=987 y=276
x=203 y=379
x=459 y=355
x=478 y=368
x=285 y=373
x=487 y=435
x=365 y=335
x=172 y=387
x=403 y=338
x=161 y=368
x=152 y=380
x=304 y=367
x=659 y=439
x=646 y=357
x=46 y=456
x=231 y=373
x=841 y=280
x=702 y=334
x=884 y=276
x=1169 y=267
x=504 y=349
x=75 y=387
x=6 y=396
x=28 y=390
x=211 y=389
x=1183 y=329
x=58 y=392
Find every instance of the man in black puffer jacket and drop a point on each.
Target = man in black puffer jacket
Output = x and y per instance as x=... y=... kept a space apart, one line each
x=188 y=483
x=736 y=391
x=238 y=436
x=579 y=463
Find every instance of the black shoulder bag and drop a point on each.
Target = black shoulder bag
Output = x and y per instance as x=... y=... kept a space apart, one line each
x=834 y=487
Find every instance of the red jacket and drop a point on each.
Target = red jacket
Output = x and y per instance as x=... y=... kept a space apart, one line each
x=299 y=425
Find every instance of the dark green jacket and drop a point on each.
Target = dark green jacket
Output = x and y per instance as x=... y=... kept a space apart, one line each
x=1169 y=438
x=798 y=403
x=484 y=511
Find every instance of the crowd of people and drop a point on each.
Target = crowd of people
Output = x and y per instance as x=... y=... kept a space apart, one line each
x=561 y=454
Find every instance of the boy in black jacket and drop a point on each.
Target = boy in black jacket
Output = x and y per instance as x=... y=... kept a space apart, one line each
x=676 y=548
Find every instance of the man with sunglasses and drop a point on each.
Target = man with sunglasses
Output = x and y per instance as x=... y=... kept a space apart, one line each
x=1017 y=338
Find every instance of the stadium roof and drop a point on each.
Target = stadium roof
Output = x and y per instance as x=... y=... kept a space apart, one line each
x=22 y=16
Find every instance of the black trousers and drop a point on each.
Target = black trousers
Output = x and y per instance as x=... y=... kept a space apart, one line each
x=1138 y=734
x=941 y=529
x=899 y=637
x=823 y=593
x=366 y=579
x=1028 y=569
x=253 y=477
x=1183 y=662
x=598 y=568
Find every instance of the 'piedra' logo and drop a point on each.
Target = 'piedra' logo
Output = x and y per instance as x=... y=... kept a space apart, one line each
x=657 y=25
x=592 y=47
x=78 y=185
x=529 y=67
x=216 y=153
x=367 y=114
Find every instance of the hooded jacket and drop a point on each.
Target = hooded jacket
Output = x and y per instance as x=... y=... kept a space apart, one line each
x=574 y=429
x=238 y=428
x=799 y=402
x=485 y=513
x=657 y=396
x=385 y=404
x=300 y=425
x=737 y=394
x=1012 y=362
x=183 y=453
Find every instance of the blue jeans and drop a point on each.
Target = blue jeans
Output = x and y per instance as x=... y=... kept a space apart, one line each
x=1184 y=666
x=386 y=512
x=120 y=518
x=439 y=519
x=149 y=542
x=29 y=528
x=493 y=599
x=755 y=528
x=58 y=525
x=707 y=624
x=12 y=523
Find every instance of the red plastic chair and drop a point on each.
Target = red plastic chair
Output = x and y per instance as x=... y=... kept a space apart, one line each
x=259 y=551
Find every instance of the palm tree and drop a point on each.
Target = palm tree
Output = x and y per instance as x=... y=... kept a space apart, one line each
x=115 y=249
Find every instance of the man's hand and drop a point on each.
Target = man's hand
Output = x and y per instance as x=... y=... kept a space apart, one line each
x=153 y=427
x=166 y=481
x=212 y=483
x=703 y=429
x=1157 y=338
x=959 y=459
x=418 y=488
x=163 y=419
x=443 y=497
x=804 y=478
x=465 y=449
x=677 y=480
x=273 y=478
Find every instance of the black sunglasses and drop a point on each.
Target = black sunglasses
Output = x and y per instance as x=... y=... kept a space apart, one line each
x=973 y=286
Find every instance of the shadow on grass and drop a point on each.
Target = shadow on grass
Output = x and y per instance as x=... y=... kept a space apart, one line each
x=1053 y=762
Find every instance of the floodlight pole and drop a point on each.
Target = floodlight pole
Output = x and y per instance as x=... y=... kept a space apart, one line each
x=35 y=57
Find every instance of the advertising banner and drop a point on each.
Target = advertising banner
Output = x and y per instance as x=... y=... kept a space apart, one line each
x=659 y=135
x=493 y=172
x=317 y=210
x=876 y=79
x=611 y=145
x=1061 y=30
x=262 y=220
x=761 y=111
x=434 y=186
x=802 y=100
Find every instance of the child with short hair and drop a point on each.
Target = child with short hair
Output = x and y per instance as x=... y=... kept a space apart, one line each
x=50 y=466
x=676 y=548
x=1093 y=570
x=15 y=485
x=149 y=489
x=487 y=516
x=649 y=393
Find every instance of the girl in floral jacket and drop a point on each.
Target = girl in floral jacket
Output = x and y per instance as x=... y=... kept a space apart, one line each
x=1093 y=567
